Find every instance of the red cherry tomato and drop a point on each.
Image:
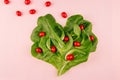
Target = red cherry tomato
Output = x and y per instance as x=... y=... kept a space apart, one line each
x=38 y=50
x=41 y=34
x=47 y=3
x=76 y=44
x=32 y=11
x=64 y=14
x=27 y=2
x=70 y=57
x=66 y=39
x=6 y=1
x=18 y=13
x=92 y=38
x=53 y=49
x=81 y=27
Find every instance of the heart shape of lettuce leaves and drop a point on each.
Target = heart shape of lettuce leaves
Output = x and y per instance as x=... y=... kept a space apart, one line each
x=55 y=34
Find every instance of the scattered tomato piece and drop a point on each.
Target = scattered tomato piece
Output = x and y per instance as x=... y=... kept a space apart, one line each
x=76 y=44
x=41 y=34
x=92 y=38
x=81 y=27
x=6 y=1
x=53 y=49
x=38 y=50
x=18 y=13
x=64 y=14
x=47 y=3
x=27 y=2
x=32 y=11
x=66 y=39
x=70 y=57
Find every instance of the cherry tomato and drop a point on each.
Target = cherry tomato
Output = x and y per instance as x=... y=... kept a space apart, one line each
x=76 y=44
x=27 y=2
x=32 y=11
x=38 y=50
x=64 y=14
x=70 y=57
x=92 y=38
x=53 y=49
x=66 y=39
x=81 y=27
x=18 y=13
x=41 y=34
x=6 y=1
x=47 y=3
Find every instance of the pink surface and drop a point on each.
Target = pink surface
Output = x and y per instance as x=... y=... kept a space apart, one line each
x=16 y=62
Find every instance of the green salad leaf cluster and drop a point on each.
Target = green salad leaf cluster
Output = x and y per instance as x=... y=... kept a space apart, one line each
x=55 y=34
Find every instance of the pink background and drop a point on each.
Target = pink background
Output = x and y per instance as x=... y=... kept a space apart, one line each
x=16 y=62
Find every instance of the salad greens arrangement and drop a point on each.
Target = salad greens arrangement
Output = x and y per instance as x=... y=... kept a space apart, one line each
x=63 y=47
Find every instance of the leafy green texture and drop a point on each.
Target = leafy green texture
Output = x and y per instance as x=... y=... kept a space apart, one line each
x=55 y=34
